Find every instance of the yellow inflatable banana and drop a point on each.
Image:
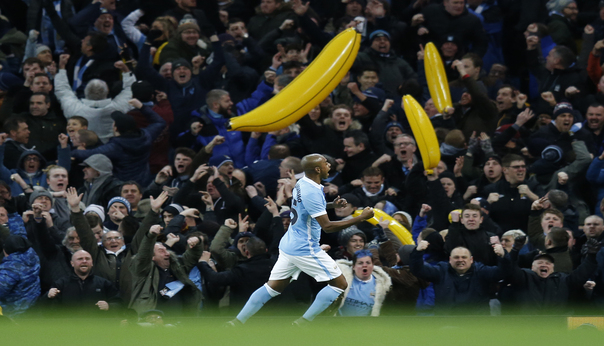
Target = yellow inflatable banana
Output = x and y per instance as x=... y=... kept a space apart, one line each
x=395 y=227
x=424 y=133
x=437 y=78
x=305 y=92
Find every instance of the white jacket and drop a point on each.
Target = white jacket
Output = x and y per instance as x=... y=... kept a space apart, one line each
x=98 y=113
x=383 y=283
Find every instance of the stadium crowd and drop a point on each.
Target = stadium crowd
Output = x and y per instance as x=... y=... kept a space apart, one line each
x=122 y=192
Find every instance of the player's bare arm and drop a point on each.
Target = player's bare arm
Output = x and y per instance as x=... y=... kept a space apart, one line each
x=334 y=226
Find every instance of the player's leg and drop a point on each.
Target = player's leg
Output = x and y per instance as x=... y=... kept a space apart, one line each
x=326 y=297
x=280 y=277
x=260 y=297
x=323 y=268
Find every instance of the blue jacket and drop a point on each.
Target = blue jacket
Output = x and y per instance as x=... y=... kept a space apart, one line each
x=233 y=145
x=183 y=98
x=453 y=291
x=130 y=152
x=215 y=124
x=38 y=179
x=595 y=175
x=19 y=275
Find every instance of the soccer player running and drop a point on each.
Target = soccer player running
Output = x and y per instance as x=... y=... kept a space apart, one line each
x=299 y=249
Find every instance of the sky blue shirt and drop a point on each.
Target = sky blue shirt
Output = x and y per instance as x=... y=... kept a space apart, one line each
x=304 y=232
x=360 y=298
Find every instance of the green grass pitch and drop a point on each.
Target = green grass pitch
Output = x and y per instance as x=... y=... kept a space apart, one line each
x=277 y=330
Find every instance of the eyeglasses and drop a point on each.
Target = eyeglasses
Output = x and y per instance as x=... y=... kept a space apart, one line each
x=518 y=167
x=114 y=238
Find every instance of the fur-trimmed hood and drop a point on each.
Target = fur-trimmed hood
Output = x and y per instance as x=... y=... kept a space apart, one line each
x=383 y=284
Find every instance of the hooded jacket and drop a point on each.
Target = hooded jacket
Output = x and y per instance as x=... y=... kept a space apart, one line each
x=103 y=188
x=19 y=282
x=130 y=151
x=19 y=274
x=38 y=178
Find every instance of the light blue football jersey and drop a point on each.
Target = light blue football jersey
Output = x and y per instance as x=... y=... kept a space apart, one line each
x=304 y=232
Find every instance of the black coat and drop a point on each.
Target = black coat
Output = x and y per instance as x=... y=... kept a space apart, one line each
x=511 y=211
x=54 y=258
x=356 y=164
x=536 y=294
x=467 y=27
x=456 y=293
x=557 y=81
x=243 y=279
x=477 y=242
x=82 y=295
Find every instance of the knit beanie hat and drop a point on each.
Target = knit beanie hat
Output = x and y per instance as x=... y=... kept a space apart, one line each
x=558 y=5
x=563 y=108
x=347 y=233
x=97 y=209
x=119 y=200
x=40 y=193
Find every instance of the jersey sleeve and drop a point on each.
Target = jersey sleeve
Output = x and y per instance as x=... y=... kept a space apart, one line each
x=314 y=201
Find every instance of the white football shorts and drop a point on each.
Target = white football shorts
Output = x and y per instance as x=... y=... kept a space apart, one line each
x=320 y=266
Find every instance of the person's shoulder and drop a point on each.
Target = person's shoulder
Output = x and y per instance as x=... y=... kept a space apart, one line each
x=433 y=9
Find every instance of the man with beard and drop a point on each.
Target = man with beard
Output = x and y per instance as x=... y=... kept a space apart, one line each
x=512 y=195
x=215 y=118
x=594 y=123
x=83 y=290
x=562 y=19
x=461 y=283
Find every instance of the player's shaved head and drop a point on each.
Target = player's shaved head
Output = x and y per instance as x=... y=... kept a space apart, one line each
x=310 y=162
